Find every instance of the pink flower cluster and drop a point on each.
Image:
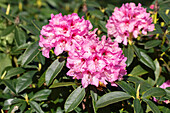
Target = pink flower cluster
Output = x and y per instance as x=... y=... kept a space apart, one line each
x=96 y=61
x=129 y=20
x=61 y=31
x=164 y=86
x=89 y=59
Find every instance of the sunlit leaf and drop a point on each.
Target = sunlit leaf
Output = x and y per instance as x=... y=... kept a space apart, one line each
x=74 y=99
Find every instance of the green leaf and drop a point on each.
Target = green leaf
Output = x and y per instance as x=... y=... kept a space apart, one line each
x=167 y=96
x=30 y=53
x=8 y=30
x=130 y=55
x=24 y=81
x=157 y=70
x=74 y=99
x=137 y=51
x=102 y=24
x=137 y=106
x=158 y=29
x=126 y=87
x=94 y=99
x=138 y=80
x=152 y=43
x=9 y=84
x=36 y=25
x=7 y=16
x=35 y=106
x=155 y=92
x=41 y=95
x=53 y=70
x=153 y=107
x=20 y=37
x=41 y=80
x=111 y=98
x=138 y=70
x=4 y=62
x=14 y=71
x=145 y=59
x=93 y=4
x=97 y=14
x=62 y=84
x=164 y=17
x=32 y=29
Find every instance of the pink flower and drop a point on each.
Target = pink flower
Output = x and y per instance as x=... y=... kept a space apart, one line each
x=128 y=21
x=152 y=6
x=164 y=86
x=62 y=31
x=95 y=61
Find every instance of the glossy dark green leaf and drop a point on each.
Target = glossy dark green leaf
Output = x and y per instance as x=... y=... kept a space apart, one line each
x=24 y=81
x=145 y=59
x=41 y=95
x=102 y=24
x=74 y=99
x=41 y=80
x=96 y=13
x=143 y=84
x=111 y=98
x=7 y=16
x=36 y=25
x=21 y=47
x=155 y=92
x=17 y=100
x=41 y=58
x=158 y=29
x=14 y=71
x=4 y=62
x=9 y=84
x=129 y=53
x=34 y=105
x=20 y=37
x=94 y=99
x=30 y=53
x=31 y=29
x=126 y=87
x=53 y=70
x=93 y=4
x=137 y=71
x=8 y=30
x=137 y=51
x=62 y=84
x=157 y=70
x=167 y=96
x=152 y=43
x=137 y=106
x=153 y=107
x=164 y=17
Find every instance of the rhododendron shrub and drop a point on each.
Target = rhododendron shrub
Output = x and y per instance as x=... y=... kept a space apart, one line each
x=79 y=56
x=129 y=21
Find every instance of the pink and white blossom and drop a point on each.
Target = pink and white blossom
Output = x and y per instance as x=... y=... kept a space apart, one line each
x=128 y=20
x=61 y=31
x=95 y=61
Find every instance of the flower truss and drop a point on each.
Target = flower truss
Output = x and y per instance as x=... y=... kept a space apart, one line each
x=61 y=31
x=128 y=21
x=95 y=61
x=89 y=59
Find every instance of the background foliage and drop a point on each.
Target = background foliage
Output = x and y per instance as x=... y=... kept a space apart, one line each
x=29 y=82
